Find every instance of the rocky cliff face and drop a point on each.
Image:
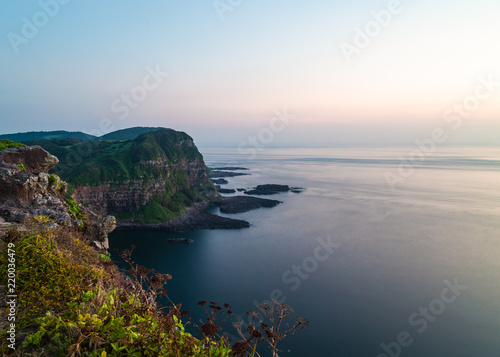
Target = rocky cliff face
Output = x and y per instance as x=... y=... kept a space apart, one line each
x=29 y=194
x=150 y=179
x=124 y=196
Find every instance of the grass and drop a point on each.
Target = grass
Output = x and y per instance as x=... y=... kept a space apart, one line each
x=73 y=301
x=52 y=179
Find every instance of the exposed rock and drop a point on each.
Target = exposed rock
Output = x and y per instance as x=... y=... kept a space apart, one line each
x=124 y=196
x=34 y=158
x=225 y=190
x=194 y=219
x=229 y=168
x=240 y=204
x=215 y=174
x=220 y=181
x=180 y=241
x=269 y=189
x=31 y=197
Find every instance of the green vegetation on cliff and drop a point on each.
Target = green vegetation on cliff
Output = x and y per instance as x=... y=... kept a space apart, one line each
x=48 y=135
x=8 y=144
x=149 y=179
x=124 y=134
x=73 y=301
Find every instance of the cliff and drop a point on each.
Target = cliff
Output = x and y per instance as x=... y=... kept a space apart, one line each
x=150 y=179
x=28 y=194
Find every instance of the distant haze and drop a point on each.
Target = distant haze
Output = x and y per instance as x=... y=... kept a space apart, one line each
x=368 y=72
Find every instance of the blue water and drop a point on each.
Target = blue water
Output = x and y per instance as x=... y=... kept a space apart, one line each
x=394 y=251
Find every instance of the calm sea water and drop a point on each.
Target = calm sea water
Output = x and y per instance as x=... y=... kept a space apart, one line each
x=414 y=269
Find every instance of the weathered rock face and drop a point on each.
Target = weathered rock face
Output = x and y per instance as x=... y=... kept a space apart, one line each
x=34 y=195
x=118 y=197
x=34 y=158
x=131 y=195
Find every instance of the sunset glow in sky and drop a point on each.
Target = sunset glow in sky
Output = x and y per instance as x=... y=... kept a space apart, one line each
x=230 y=66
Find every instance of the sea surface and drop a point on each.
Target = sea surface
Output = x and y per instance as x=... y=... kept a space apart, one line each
x=411 y=269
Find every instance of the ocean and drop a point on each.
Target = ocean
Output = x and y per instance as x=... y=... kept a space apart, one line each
x=384 y=255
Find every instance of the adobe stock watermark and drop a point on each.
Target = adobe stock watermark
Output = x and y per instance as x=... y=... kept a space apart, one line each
x=292 y=278
x=453 y=116
x=253 y=144
x=223 y=6
x=31 y=26
x=122 y=106
x=364 y=36
x=422 y=318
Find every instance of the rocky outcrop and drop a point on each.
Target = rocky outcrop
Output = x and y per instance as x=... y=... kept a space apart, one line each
x=272 y=189
x=195 y=218
x=28 y=194
x=240 y=204
x=150 y=179
x=33 y=158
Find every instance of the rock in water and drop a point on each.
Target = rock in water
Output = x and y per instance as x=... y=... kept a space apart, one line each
x=180 y=241
x=270 y=189
x=240 y=204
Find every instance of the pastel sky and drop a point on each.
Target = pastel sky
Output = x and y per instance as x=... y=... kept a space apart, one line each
x=230 y=68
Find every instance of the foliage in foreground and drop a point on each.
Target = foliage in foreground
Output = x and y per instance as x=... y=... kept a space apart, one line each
x=8 y=144
x=74 y=302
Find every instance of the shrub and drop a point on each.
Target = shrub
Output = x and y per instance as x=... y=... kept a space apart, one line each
x=73 y=304
x=21 y=166
x=7 y=144
x=42 y=219
x=52 y=179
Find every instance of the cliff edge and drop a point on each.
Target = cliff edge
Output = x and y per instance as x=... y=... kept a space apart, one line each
x=29 y=194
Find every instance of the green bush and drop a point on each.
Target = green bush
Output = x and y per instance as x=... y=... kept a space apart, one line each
x=52 y=179
x=73 y=207
x=21 y=166
x=7 y=144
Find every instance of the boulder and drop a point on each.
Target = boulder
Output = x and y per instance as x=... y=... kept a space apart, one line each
x=34 y=158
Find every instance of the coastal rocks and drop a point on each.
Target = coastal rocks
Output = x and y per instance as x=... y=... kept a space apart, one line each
x=217 y=173
x=194 y=219
x=225 y=190
x=129 y=196
x=220 y=181
x=272 y=189
x=229 y=168
x=180 y=241
x=240 y=204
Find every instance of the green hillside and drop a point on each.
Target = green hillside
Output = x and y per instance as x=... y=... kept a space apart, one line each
x=48 y=135
x=128 y=134
x=156 y=176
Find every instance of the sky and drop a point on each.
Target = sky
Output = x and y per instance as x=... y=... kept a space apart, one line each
x=267 y=73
